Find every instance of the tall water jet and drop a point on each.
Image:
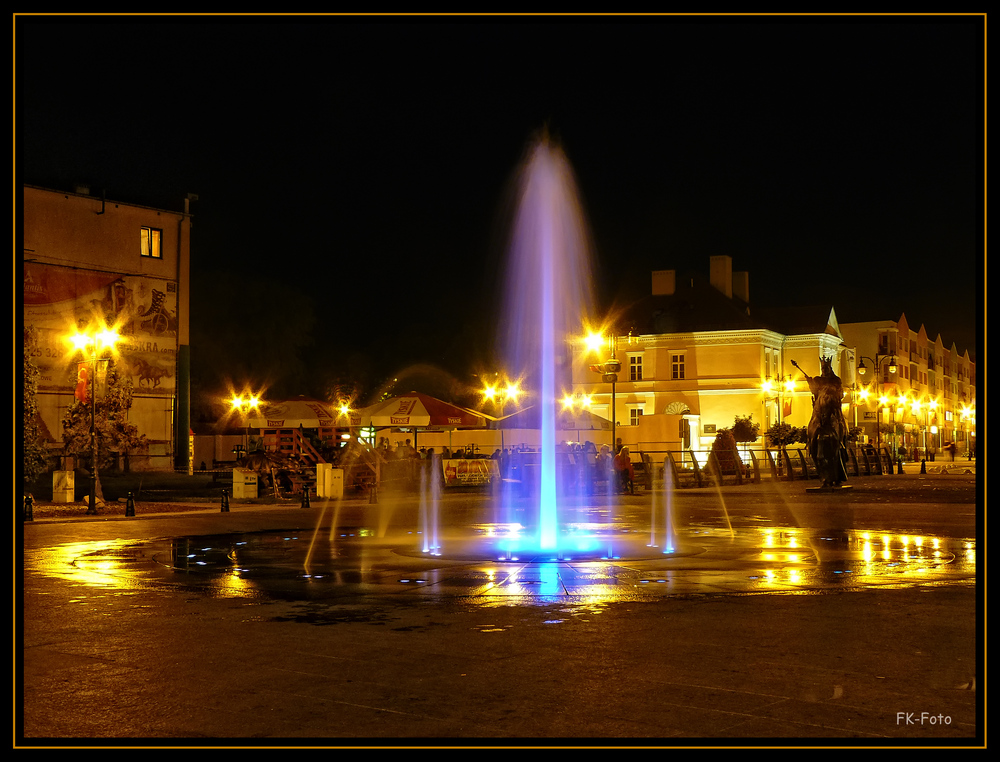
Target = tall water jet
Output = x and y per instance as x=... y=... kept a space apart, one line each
x=548 y=296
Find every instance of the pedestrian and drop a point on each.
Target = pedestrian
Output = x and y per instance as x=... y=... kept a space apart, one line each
x=624 y=471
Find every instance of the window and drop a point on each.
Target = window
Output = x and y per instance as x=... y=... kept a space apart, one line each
x=633 y=415
x=635 y=367
x=149 y=242
x=676 y=366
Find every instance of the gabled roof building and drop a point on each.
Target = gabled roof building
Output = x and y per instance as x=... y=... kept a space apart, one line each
x=694 y=356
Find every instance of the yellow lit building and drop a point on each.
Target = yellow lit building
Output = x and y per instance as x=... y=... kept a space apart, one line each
x=694 y=357
x=91 y=263
x=922 y=390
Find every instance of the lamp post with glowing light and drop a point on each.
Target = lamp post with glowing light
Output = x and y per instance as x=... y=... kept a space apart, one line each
x=781 y=387
x=500 y=393
x=609 y=370
x=968 y=416
x=245 y=404
x=877 y=361
x=98 y=342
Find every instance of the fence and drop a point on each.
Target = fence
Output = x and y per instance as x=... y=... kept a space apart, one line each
x=690 y=468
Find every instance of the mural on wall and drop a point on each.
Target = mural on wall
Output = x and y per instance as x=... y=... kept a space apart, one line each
x=58 y=301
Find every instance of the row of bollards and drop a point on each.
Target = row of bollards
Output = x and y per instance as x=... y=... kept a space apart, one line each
x=29 y=503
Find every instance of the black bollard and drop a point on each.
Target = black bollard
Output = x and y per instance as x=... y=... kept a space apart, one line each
x=923 y=466
x=305 y=497
x=29 y=508
x=130 y=505
x=225 y=501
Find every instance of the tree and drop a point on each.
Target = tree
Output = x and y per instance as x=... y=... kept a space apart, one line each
x=726 y=456
x=745 y=430
x=115 y=435
x=781 y=435
x=34 y=461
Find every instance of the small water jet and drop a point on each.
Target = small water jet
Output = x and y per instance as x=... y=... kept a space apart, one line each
x=430 y=505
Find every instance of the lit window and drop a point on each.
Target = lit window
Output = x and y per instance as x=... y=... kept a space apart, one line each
x=635 y=367
x=149 y=242
x=676 y=367
x=634 y=414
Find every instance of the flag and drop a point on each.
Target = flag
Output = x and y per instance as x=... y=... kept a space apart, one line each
x=81 y=382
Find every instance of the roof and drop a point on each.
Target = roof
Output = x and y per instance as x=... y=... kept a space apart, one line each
x=697 y=306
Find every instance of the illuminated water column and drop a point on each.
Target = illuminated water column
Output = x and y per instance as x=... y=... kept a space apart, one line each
x=547 y=294
x=548 y=513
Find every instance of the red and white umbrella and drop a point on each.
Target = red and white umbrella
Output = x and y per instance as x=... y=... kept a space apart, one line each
x=417 y=410
x=306 y=412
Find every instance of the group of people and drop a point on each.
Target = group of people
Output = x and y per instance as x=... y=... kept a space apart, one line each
x=586 y=461
x=582 y=465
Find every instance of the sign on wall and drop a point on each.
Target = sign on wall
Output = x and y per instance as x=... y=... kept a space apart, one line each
x=58 y=301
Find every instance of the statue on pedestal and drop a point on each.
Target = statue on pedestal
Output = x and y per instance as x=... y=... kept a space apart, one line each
x=827 y=431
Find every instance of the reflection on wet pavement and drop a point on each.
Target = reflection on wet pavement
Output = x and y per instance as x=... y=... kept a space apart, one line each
x=301 y=566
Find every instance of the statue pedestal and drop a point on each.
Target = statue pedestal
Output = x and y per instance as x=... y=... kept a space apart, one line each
x=839 y=488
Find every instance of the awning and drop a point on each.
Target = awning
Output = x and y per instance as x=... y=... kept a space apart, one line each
x=306 y=412
x=566 y=420
x=421 y=411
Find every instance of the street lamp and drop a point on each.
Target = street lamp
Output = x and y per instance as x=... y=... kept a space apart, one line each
x=99 y=341
x=244 y=404
x=500 y=393
x=779 y=388
x=609 y=370
x=877 y=361
x=968 y=416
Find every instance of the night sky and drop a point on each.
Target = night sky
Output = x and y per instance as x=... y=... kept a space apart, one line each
x=363 y=165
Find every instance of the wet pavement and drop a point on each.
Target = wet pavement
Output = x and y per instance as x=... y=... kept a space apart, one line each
x=776 y=616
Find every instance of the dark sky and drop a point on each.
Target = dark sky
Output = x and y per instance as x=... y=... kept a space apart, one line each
x=364 y=162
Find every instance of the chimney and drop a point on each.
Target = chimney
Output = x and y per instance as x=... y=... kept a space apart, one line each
x=741 y=286
x=721 y=274
x=664 y=282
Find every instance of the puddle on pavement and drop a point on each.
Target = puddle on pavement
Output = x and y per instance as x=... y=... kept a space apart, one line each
x=295 y=566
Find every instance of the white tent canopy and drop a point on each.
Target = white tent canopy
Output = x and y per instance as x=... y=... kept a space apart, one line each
x=306 y=412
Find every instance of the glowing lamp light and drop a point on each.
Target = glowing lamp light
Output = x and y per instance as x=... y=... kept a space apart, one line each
x=512 y=392
x=594 y=342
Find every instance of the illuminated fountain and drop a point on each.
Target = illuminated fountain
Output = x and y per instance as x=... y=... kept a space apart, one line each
x=548 y=291
x=547 y=296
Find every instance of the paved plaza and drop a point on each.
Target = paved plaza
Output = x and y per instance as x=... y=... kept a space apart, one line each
x=779 y=617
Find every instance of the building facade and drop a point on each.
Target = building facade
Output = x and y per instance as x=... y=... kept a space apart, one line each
x=916 y=393
x=90 y=263
x=693 y=357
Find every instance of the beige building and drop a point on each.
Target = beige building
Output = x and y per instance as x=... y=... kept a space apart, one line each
x=921 y=390
x=694 y=357
x=90 y=262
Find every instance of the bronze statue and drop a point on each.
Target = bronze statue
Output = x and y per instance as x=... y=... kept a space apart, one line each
x=827 y=431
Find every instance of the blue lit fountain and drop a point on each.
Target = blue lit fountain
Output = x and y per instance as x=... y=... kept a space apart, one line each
x=548 y=292
x=548 y=295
